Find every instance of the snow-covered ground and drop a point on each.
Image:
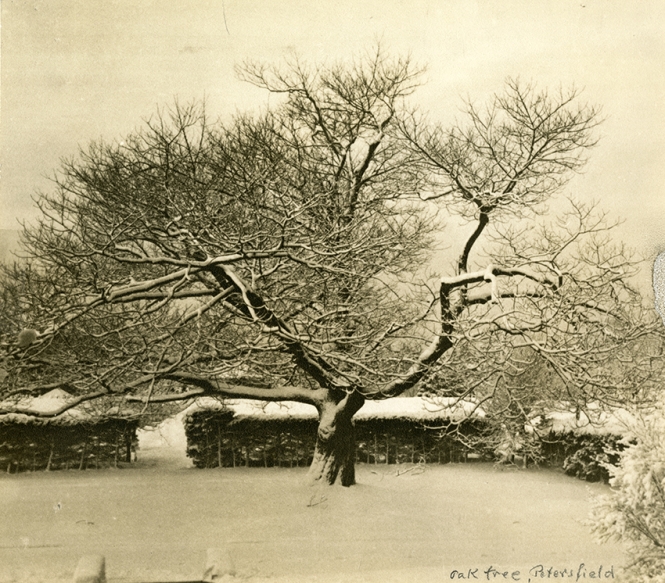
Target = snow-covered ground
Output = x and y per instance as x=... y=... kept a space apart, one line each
x=400 y=523
x=154 y=520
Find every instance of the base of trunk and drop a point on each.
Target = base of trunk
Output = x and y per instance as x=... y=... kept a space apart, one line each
x=335 y=452
x=334 y=463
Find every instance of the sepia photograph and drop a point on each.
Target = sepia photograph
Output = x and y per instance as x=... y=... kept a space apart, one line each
x=332 y=292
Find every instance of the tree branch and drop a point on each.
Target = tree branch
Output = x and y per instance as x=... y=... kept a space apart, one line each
x=212 y=386
x=462 y=264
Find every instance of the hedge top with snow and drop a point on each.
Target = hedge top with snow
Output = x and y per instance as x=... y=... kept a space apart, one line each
x=49 y=403
x=407 y=408
x=596 y=421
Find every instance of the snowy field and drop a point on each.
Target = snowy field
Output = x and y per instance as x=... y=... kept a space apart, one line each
x=155 y=520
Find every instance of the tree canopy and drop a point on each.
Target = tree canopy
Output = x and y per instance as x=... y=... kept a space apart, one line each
x=287 y=255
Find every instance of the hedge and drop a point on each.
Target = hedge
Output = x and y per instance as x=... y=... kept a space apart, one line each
x=32 y=444
x=220 y=437
x=215 y=439
x=232 y=434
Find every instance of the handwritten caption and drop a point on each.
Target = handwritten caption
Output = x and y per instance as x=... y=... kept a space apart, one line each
x=580 y=572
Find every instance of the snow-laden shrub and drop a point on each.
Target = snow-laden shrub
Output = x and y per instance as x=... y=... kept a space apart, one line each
x=589 y=456
x=634 y=513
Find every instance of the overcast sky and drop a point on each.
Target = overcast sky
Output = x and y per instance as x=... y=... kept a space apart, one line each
x=78 y=70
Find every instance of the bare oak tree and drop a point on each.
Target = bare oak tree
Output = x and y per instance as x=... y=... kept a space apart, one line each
x=284 y=256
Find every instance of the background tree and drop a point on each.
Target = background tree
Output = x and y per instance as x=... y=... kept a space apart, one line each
x=284 y=256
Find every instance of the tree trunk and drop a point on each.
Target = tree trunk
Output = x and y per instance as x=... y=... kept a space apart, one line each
x=50 y=457
x=128 y=447
x=335 y=452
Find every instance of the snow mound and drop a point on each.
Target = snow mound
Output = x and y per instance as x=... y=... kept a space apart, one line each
x=169 y=433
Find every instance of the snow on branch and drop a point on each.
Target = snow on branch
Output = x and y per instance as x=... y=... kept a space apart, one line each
x=491 y=272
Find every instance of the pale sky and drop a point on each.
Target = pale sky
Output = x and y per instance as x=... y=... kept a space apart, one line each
x=79 y=70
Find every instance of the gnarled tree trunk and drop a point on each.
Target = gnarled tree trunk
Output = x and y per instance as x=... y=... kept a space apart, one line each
x=334 y=456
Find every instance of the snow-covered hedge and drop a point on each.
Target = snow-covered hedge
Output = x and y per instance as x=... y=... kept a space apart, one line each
x=582 y=442
x=400 y=430
x=255 y=433
x=49 y=445
x=72 y=440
